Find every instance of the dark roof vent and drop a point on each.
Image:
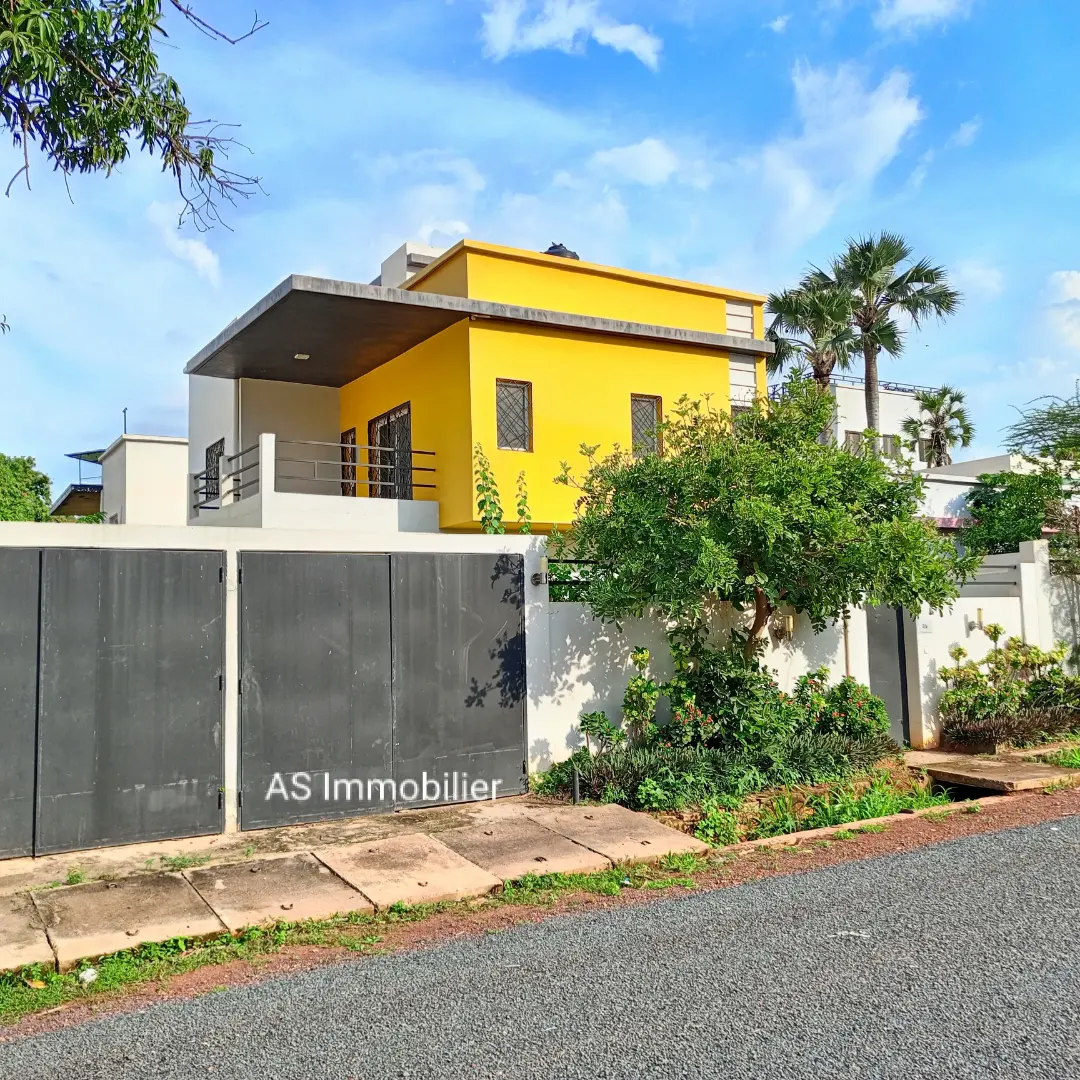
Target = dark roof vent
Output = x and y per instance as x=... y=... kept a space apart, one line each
x=562 y=252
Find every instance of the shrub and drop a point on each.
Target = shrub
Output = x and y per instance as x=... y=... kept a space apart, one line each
x=1017 y=693
x=597 y=727
x=848 y=708
x=719 y=825
x=880 y=799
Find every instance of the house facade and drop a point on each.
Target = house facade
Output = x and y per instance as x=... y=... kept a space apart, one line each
x=373 y=392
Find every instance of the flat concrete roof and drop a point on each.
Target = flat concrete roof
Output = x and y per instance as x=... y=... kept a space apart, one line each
x=347 y=329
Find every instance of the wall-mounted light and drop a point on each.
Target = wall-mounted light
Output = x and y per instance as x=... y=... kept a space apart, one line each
x=302 y=356
x=782 y=626
x=542 y=577
x=977 y=622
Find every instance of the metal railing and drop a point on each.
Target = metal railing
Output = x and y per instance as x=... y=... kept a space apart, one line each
x=215 y=488
x=385 y=472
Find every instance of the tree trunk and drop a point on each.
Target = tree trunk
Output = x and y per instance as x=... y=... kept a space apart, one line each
x=870 y=384
x=762 y=611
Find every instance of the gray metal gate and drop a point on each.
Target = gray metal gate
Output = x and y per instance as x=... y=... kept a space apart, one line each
x=19 y=606
x=315 y=717
x=885 y=631
x=459 y=670
x=361 y=673
x=130 y=700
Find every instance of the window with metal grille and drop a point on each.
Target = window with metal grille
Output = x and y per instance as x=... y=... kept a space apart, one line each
x=852 y=440
x=925 y=447
x=390 y=456
x=513 y=414
x=214 y=453
x=890 y=446
x=645 y=413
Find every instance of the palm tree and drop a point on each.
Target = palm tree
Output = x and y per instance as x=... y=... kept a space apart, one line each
x=943 y=422
x=870 y=269
x=812 y=324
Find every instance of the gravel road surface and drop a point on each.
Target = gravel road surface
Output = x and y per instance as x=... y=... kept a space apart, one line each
x=958 y=960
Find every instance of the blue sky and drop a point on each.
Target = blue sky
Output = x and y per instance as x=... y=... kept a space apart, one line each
x=730 y=141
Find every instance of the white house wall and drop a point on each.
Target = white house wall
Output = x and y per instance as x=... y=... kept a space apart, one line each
x=212 y=415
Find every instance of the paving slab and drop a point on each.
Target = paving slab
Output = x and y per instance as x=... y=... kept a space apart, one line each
x=995 y=774
x=617 y=833
x=101 y=917
x=291 y=888
x=415 y=869
x=22 y=935
x=512 y=847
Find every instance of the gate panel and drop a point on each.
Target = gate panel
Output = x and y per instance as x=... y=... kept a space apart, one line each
x=19 y=605
x=315 y=686
x=130 y=716
x=888 y=665
x=459 y=670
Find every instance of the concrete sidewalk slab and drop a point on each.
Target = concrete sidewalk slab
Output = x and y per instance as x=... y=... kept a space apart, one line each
x=103 y=917
x=617 y=833
x=415 y=869
x=291 y=888
x=994 y=774
x=22 y=935
x=513 y=847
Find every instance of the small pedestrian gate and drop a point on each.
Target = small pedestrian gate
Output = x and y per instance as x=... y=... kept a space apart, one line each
x=370 y=682
x=110 y=697
x=885 y=633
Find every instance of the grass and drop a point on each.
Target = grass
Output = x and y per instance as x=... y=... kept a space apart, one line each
x=36 y=988
x=182 y=862
x=1069 y=758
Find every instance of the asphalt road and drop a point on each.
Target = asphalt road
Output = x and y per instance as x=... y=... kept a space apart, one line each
x=959 y=960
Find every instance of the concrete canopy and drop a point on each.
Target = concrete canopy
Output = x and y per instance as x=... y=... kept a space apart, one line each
x=345 y=329
x=77 y=500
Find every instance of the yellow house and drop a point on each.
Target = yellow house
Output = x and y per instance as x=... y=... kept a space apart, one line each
x=525 y=355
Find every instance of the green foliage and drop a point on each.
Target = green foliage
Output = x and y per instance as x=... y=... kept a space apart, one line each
x=811 y=325
x=523 y=512
x=1068 y=758
x=640 y=699
x=1049 y=427
x=942 y=423
x=756 y=510
x=885 y=285
x=82 y=85
x=24 y=492
x=1008 y=508
x=1016 y=693
x=881 y=798
x=488 y=503
x=596 y=726
x=719 y=825
x=848 y=708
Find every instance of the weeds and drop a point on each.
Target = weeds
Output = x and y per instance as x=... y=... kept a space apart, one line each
x=74 y=876
x=183 y=862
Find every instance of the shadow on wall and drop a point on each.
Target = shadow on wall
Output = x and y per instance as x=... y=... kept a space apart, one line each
x=1065 y=617
x=591 y=667
x=507 y=649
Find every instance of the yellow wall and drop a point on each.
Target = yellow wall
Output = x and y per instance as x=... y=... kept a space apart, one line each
x=512 y=276
x=433 y=378
x=581 y=387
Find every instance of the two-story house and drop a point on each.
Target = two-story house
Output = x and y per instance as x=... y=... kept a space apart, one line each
x=365 y=403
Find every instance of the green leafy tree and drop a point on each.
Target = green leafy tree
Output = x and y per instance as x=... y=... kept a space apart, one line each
x=942 y=423
x=757 y=511
x=1049 y=427
x=81 y=84
x=24 y=492
x=1009 y=508
x=872 y=269
x=811 y=325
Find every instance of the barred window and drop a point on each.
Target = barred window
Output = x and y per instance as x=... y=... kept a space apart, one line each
x=646 y=411
x=852 y=440
x=212 y=485
x=513 y=414
x=891 y=446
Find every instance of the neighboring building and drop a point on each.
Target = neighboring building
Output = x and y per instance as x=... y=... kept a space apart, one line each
x=342 y=389
x=896 y=402
x=143 y=481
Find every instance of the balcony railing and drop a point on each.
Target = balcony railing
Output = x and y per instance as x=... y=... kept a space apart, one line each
x=310 y=467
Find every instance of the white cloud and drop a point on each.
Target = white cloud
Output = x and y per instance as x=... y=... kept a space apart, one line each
x=908 y=15
x=779 y=24
x=850 y=133
x=189 y=249
x=1064 y=308
x=516 y=26
x=976 y=276
x=966 y=133
x=650 y=162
